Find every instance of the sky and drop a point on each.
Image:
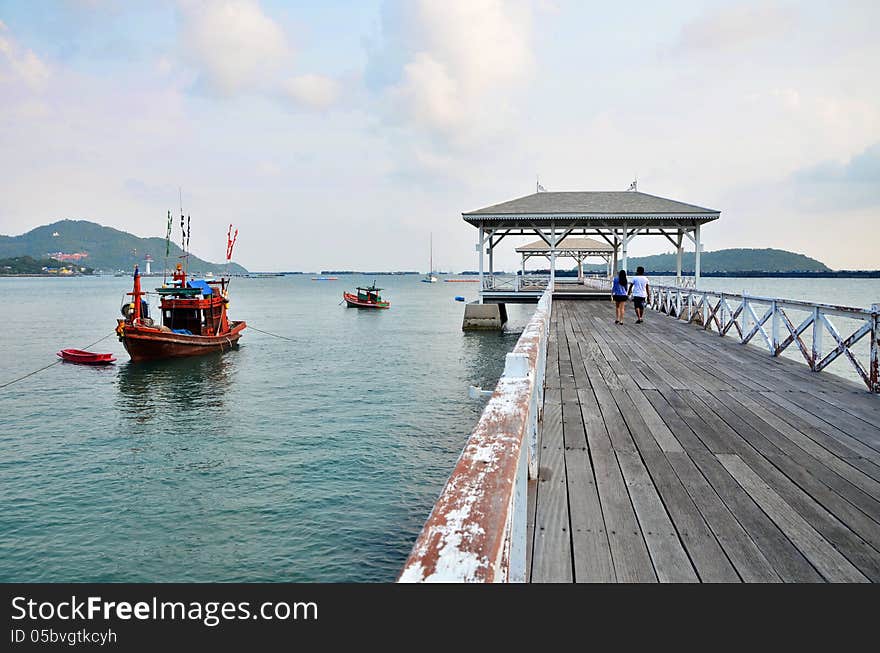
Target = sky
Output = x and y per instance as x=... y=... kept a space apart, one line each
x=340 y=135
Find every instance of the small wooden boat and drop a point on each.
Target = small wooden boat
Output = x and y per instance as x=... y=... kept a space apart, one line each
x=365 y=298
x=85 y=357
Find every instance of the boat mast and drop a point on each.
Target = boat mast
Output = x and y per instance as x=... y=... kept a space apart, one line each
x=431 y=259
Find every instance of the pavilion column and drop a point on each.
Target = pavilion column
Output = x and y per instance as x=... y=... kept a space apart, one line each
x=697 y=256
x=491 y=256
x=614 y=267
x=678 y=258
x=552 y=257
x=523 y=266
x=580 y=261
x=625 y=243
x=480 y=246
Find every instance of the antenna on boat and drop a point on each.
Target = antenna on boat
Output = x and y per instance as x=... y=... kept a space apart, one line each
x=230 y=245
x=184 y=235
x=167 y=249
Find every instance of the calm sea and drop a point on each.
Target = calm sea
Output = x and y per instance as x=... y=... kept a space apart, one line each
x=311 y=459
x=314 y=459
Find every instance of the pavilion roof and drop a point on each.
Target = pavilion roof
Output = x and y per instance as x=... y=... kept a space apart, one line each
x=570 y=244
x=589 y=208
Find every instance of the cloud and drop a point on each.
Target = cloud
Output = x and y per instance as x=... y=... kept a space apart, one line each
x=233 y=43
x=841 y=185
x=237 y=48
x=734 y=26
x=312 y=91
x=448 y=67
x=19 y=63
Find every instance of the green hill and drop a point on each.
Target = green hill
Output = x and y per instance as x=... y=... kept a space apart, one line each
x=728 y=260
x=108 y=249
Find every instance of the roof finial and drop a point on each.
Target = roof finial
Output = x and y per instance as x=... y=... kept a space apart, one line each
x=538 y=187
x=634 y=184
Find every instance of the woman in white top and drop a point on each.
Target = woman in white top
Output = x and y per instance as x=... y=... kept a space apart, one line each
x=641 y=293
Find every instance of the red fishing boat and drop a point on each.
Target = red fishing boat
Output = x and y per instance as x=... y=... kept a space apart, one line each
x=85 y=357
x=193 y=319
x=365 y=298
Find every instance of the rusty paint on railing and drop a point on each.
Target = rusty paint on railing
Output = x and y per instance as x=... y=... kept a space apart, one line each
x=476 y=530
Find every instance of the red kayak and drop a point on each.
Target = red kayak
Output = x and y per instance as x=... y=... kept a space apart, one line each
x=85 y=357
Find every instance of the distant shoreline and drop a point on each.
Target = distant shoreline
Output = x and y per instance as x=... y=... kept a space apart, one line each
x=753 y=274
x=833 y=274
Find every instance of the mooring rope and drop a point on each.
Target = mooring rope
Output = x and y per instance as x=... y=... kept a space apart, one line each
x=53 y=363
x=274 y=335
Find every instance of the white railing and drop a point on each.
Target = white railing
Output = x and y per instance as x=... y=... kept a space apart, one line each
x=498 y=283
x=751 y=316
x=477 y=529
x=534 y=282
x=686 y=282
x=527 y=283
x=599 y=283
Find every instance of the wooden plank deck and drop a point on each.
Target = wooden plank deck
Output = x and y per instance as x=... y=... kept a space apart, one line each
x=670 y=454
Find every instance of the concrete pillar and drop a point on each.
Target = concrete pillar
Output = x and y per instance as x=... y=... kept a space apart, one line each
x=480 y=247
x=484 y=317
x=697 y=255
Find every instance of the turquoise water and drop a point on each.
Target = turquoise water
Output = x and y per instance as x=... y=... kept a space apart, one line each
x=316 y=459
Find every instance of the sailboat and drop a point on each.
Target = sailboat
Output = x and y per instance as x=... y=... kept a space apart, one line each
x=430 y=278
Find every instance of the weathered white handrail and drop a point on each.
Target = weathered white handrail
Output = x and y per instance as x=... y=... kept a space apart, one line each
x=599 y=283
x=725 y=312
x=477 y=529
x=517 y=283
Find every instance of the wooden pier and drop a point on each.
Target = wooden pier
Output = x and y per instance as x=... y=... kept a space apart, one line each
x=663 y=453
x=669 y=454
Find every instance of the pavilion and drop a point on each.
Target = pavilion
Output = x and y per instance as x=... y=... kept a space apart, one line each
x=615 y=217
x=571 y=247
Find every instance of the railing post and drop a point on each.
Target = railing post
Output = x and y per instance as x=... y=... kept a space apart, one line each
x=745 y=317
x=874 y=373
x=816 y=354
x=705 y=310
x=516 y=570
x=774 y=329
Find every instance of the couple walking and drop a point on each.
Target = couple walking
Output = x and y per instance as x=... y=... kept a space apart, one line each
x=621 y=291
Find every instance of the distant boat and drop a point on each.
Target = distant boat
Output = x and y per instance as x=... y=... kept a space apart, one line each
x=365 y=298
x=430 y=278
x=325 y=278
x=461 y=280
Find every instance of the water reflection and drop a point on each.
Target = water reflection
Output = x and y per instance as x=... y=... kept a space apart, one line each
x=147 y=390
x=483 y=355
